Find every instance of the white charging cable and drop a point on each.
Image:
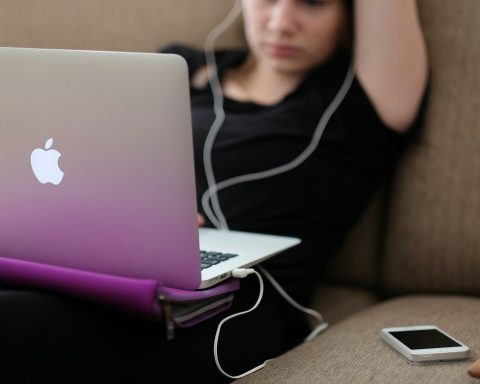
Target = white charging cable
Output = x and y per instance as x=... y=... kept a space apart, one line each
x=242 y=273
x=217 y=219
x=239 y=273
x=321 y=326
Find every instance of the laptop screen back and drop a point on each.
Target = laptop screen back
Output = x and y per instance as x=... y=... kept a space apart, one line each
x=122 y=198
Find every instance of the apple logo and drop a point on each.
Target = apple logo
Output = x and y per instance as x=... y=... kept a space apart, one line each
x=45 y=164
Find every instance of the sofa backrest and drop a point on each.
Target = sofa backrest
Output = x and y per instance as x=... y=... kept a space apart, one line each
x=433 y=234
x=123 y=25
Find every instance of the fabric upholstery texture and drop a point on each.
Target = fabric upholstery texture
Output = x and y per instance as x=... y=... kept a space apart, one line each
x=337 y=302
x=433 y=241
x=351 y=351
x=123 y=25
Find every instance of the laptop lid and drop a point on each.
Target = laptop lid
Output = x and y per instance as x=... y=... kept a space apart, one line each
x=122 y=198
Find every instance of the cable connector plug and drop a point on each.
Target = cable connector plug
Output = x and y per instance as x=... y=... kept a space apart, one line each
x=242 y=272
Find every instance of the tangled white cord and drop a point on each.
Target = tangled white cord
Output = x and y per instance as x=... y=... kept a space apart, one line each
x=214 y=213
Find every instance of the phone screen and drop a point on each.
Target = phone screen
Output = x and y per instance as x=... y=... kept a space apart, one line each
x=424 y=339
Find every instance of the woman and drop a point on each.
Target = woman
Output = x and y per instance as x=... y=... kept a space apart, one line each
x=275 y=94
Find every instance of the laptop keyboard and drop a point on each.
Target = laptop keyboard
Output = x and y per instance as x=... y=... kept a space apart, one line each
x=209 y=258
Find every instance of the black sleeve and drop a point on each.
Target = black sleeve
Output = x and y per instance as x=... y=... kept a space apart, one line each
x=193 y=56
x=365 y=125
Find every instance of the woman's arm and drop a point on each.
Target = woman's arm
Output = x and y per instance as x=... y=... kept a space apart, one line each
x=391 y=58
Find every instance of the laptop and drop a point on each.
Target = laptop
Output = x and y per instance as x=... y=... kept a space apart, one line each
x=97 y=169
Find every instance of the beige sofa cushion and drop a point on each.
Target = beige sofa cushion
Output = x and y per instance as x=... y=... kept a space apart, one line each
x=351 y=351
x=124 y=25
x=433 y=242
x=337 y=302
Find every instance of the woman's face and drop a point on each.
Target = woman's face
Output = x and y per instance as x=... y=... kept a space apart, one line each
x=293 y=36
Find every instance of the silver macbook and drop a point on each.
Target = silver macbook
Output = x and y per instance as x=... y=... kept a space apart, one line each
x=97 y=170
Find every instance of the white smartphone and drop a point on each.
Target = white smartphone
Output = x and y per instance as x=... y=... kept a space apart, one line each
x=425 y=343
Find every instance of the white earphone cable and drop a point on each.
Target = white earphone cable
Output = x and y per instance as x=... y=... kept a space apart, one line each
x=214 y=213
x=212 y=191
x=241 y=273
x=217 y=218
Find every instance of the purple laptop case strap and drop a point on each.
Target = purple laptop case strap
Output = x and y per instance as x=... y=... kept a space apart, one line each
x=134 y=296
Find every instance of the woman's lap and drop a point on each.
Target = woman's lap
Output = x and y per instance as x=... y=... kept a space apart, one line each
x=55 y=335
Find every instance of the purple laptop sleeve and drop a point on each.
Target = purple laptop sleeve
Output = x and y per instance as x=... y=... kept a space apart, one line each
x=139 y=297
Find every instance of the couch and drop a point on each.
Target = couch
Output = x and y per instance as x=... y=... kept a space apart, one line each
x=413 y=257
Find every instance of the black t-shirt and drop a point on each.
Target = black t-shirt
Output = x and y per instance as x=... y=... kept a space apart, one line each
x=319 y=200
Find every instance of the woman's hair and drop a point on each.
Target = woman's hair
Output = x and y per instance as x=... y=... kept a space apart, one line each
x=349 y=4
x=348 y=42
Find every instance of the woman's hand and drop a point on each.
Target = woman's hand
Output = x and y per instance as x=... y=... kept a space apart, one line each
x=474 y=369
x=200 y=220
